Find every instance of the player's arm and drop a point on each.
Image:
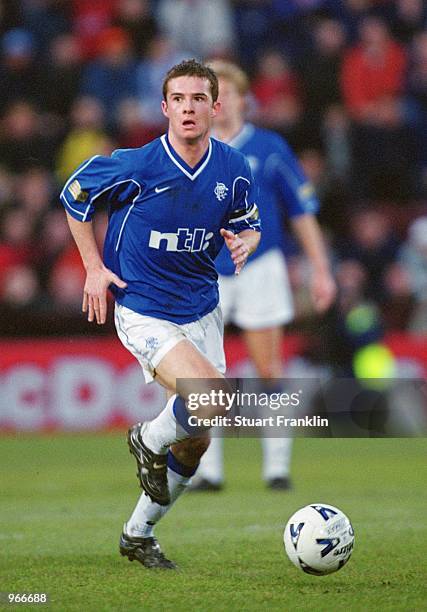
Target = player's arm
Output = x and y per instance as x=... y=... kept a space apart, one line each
x=301 y=204
x=308 y=232
x=97 y=181
x=241 y=245
x=98 y=277
x=243 y=233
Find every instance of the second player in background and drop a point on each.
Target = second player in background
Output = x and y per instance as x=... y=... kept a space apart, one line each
x=259 y=300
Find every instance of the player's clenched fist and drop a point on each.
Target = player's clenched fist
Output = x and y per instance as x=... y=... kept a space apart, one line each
x=238 y=248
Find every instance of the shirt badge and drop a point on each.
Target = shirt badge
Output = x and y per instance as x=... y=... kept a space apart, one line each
x=77 y=192
x=220 y=191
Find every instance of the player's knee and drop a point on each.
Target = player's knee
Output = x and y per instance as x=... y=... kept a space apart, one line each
x=191 y=450
x=269 y=370
x=207 y=398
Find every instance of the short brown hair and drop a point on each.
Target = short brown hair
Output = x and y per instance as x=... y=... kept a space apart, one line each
x=192 y=68
x=230 y=72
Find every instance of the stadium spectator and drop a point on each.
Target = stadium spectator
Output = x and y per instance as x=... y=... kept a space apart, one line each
x=337 y=142
x=66 y=281
x=201 y=27
x=10 y=16
x=89 y=19
x=20 y=288
x=322 y=65
x=413 y=258
x=383 y=148
x=25 y=140
x=54 y=238
x=86 y=137
x=253 y=24
x=351 y=14
x=409 y=19
x=21 y=75
x=277 y=90
x=379 y=153
x=373 y=75
x=416 y=101
x=399 y=300
x=132 y=130
x=319 y=166
x=136 y=18
x=372 y=243
x=111 y=77
x=16 y=240
x=34 y=191
x=7 y=184
x=46 y=19
x=63 y=74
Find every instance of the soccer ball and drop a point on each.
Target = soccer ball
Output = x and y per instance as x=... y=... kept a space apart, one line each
x=319 y=539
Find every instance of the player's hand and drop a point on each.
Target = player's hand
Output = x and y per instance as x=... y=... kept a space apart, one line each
x=238 y=248
x=95 y=293
x=323 y=291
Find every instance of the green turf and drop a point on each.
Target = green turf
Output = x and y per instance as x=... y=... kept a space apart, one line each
x=63 y=500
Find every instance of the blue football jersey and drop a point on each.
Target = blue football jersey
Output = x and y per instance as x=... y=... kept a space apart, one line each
x=164 y=221
x=284 y=191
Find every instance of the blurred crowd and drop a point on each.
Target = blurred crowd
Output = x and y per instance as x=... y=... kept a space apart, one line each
x=345 y=81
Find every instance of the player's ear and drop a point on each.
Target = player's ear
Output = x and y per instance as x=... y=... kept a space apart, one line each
x=165 y=108
x=216 y=107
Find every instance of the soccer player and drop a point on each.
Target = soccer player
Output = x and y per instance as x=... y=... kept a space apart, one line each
x=172 y=205
x=283 y=191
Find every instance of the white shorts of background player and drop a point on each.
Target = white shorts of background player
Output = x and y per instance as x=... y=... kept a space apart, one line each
x=260 y=296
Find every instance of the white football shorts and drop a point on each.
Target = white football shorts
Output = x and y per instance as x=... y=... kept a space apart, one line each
x=149 y=339
x=260 y=296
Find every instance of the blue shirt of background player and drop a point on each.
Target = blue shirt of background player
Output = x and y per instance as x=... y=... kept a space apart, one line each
x=164 y=221
x=284 y=191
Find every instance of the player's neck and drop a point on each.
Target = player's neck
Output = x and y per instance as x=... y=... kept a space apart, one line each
x=190 y=151
x=227 y=132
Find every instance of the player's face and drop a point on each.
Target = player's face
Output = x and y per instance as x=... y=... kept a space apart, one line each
x=232 y=103
x=189 y=107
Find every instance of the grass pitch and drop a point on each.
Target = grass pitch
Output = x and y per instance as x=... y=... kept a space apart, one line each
x=63 y=500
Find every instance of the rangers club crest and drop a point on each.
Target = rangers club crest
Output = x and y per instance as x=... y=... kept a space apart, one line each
x=151 y=342
x=220 y=191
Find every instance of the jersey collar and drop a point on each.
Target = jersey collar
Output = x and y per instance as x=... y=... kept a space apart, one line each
x=189 y=172
x=242 y=137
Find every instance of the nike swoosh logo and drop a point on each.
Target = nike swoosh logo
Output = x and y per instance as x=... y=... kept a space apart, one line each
x=158 y=466
x=160 y=189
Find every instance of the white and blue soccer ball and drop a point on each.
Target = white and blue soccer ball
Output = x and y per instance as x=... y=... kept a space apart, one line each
x=319 y=539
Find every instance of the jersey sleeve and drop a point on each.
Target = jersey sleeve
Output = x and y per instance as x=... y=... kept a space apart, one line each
x=96 y=181
x=295 y=190
x=244 y=210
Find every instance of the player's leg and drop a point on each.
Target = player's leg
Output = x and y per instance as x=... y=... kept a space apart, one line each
x=184 y=362
x=260 y=314
x=168 y=352
x=210 y=475
x=138 y=532
x=181 y=359
x=253 y=312
x=261 y=320
x=150 y=442
x=264 y=348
